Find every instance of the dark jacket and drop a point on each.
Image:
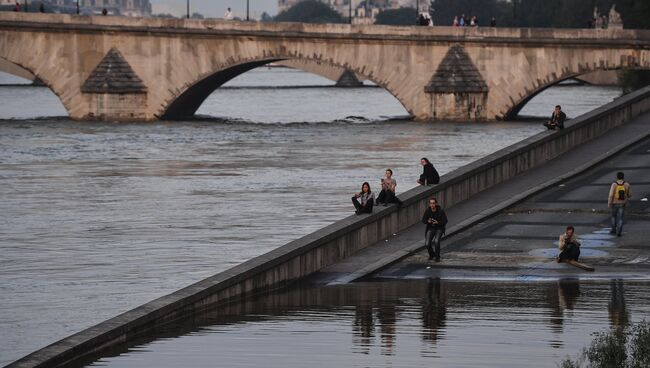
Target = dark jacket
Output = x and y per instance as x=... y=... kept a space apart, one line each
x=558 y=119
x=439 y=216
x=430 y=174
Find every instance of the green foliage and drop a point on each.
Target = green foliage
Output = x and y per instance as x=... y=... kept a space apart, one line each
x=397 y=17
x=310 y=11
x=620 y=348
x=608 y=349
x=266 y=17
x=632 y=80
x=541 y=13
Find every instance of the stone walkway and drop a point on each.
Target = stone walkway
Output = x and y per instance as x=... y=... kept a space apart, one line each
x=519 y=242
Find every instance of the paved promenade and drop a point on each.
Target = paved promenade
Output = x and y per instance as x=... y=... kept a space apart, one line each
x=522 y=238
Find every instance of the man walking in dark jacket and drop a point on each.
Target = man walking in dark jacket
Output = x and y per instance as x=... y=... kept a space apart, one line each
x=436 y=220
x=557 y=119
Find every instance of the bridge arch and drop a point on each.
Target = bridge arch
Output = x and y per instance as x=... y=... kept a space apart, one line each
x=569 y=69
x=24 y=70
x=185 y=103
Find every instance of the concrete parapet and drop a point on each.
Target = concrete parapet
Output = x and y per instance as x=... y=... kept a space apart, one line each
x=337 y=241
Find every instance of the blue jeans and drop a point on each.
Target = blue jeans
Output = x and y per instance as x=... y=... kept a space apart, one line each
x=618 y=211
x=432 y=241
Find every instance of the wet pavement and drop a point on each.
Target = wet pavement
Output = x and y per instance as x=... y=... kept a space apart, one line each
x=521 y=242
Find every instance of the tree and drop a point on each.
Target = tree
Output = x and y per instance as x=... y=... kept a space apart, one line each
x=266 y=17
x=310 y=11
x=620 y=347
x=397 y=17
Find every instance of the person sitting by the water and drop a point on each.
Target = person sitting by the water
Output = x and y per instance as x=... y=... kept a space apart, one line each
x=569 y=246
x=364 y=200
x=388 y=190
x=430 y=175
x=557 y=119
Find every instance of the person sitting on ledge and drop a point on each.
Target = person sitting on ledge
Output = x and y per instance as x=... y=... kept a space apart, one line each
x=430 y=175
x=569 y=246
x=364 y=200
x=388 y=188
x=557 y=119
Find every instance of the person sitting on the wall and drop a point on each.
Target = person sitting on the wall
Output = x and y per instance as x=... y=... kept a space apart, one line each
x=557 y=119
x=388 y=189
x=569 y=246
x=364 y=200
x=430 y=175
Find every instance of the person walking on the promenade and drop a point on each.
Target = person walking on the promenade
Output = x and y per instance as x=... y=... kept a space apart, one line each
x=557 y=119
x=569 y=246
x=619 y=194
x=454 y=23
x=430 y=175
x=364 y=200
x=436 y=220
x=17 y=7
x=388 y=190
x=493 y=22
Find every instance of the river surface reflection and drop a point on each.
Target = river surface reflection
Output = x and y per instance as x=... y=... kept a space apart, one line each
x=98 y=218
x=418 y=323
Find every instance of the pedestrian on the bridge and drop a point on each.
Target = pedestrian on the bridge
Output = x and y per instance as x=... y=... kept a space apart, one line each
x=388 y=190
x=430 y=175
x=104 y=11
x=493 y=22
x=461 y=21
x=228 y=15
x=454 y=23
x=364 y=200
x=17 y=7
x=619 y=195
x=436 y=220
x=569 y=246
x=557 y=119
x=473 y=22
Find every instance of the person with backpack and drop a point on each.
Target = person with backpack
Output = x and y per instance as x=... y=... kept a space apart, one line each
x=364 y=200
x=569 y=246
x=430 y=175
x=436 y=220
x=619 y=194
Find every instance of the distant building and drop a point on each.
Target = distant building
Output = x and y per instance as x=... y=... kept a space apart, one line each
x=130 y=8
x=7 y=2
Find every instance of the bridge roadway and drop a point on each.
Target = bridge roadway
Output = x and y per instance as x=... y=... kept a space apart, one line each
x=126 y=69
x=520 y=241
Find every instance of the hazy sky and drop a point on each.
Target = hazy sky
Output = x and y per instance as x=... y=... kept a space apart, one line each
x=215 y=8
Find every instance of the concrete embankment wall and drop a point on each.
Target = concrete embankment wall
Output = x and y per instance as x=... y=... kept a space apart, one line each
x=333 y=243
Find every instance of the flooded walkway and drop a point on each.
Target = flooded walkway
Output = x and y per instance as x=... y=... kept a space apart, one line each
x=414 y=323
x=522 y=241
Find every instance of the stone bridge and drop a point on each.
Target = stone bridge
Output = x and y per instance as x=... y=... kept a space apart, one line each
x=121 y=68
